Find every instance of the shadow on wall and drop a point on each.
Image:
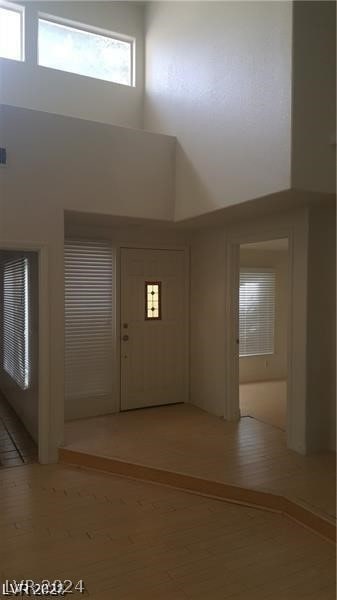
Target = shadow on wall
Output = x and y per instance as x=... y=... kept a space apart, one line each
x=189 y=184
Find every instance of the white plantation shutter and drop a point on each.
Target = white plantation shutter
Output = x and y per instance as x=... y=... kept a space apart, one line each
x=88 y=319
x=257 y=312
x=16 y=346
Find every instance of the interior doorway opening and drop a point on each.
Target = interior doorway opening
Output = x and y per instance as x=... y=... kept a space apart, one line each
x=263 y=331
x=19 y=351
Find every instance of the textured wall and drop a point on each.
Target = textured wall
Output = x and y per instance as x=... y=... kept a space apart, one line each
x=80 y=165
x=218 y=76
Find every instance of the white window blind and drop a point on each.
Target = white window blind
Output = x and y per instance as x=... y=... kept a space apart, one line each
x=16 y=347
x=88 y=319
x=257 y=312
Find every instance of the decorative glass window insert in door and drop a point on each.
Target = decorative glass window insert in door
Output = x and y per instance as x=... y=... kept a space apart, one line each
x=152 y=300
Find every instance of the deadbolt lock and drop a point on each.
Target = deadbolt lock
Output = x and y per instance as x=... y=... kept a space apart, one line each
x=125 y=338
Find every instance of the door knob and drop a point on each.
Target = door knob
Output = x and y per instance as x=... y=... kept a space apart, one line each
x=125 y=338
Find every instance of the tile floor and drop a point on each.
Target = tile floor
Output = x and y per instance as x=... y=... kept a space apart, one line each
x=16 y=445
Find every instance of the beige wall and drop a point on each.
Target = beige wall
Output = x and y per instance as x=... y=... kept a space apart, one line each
x=314 y=96
x=218 y=76
x=24 y=402
x=124 y=234
x=274 y=366
x=27 y=85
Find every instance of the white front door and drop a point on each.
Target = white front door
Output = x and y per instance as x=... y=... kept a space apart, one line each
x=153 y=328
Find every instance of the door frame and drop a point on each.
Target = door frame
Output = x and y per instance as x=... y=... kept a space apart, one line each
x=45 y=452
x=118 y=301
x=295 y=431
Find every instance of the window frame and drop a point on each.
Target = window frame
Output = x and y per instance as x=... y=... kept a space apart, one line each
x=244 y=269
x=96 y=31
x=17 y=8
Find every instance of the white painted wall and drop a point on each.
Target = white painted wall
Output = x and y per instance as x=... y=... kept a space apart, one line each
x=218 y=76
x=30 y=86
x=209 y=325
x=75 y=164
x=273 y=366
x=50 y=169
x=314 y=96
x=208 y=300
x=311 y=413
x=218 y=79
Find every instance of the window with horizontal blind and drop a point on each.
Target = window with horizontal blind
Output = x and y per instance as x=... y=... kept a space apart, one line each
x=257 y=312
x=16 y=343
x=88 y=319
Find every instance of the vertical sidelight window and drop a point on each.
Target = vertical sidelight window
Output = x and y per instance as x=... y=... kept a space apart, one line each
x=88 y=319
x=153 y=300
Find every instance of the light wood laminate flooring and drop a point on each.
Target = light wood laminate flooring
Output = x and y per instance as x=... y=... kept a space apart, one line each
x=185 y=439
x=130 y=540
